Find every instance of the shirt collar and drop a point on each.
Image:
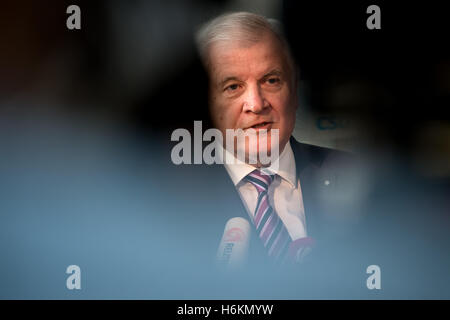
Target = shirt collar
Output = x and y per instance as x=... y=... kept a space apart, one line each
x=286 y=167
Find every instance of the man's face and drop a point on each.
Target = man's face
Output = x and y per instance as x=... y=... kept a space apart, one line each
x=252 y=86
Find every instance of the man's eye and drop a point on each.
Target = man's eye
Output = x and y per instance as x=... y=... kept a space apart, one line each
x=232 y=87
x=273 y=80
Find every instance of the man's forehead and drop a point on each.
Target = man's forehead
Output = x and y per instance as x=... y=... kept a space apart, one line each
x=236 y=59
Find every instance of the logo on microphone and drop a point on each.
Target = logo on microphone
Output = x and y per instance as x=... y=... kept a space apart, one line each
x=234 y=235
x=233 y=246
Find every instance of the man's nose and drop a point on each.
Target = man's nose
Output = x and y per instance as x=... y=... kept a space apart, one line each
x=254 y=100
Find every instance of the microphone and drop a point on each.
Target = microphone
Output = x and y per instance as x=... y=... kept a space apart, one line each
x=300 y=248
x=233 y=247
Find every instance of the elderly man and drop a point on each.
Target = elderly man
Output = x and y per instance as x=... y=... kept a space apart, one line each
x=253 y=87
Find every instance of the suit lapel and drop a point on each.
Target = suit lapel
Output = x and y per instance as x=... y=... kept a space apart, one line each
x=308 y=163
x=234 y=202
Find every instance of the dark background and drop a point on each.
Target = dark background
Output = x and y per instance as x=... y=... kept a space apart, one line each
x=86 y=117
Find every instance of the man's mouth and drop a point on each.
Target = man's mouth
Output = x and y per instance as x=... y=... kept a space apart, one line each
x=262 y=125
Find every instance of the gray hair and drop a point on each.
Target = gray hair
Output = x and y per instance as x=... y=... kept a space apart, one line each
x=240 y=26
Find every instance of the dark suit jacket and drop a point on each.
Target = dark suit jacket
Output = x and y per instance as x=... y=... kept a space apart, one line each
x=207 y=199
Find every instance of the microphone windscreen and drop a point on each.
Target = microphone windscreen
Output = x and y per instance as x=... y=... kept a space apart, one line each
x=300 y=248
x=233 y=246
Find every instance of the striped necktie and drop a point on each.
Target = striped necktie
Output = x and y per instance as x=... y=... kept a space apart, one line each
x=268 y=224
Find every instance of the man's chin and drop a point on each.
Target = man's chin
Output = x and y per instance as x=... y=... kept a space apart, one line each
x=257 y=148
x=257 y=156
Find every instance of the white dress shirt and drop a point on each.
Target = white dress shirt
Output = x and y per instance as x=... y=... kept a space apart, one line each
x=285 y=194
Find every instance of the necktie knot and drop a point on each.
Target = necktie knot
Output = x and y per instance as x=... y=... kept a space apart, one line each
x=260 y=180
